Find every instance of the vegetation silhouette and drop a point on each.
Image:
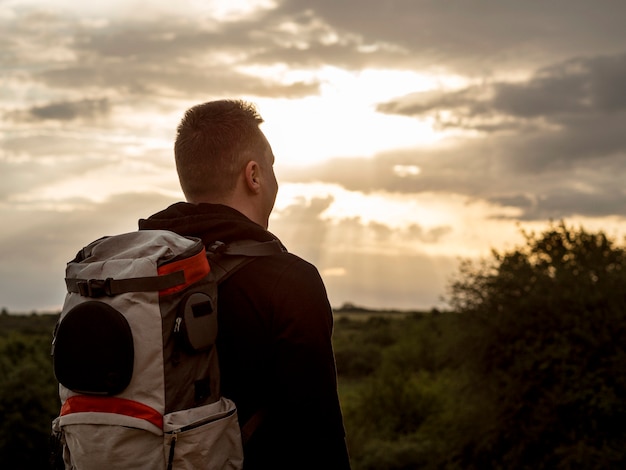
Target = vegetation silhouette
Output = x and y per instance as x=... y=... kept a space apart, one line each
x=527 y=370
x=28 y=391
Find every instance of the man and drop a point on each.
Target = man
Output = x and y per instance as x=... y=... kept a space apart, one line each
x=275 y=321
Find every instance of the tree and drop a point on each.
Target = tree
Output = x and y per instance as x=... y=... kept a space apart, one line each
x=547 y=346
x=28 y=400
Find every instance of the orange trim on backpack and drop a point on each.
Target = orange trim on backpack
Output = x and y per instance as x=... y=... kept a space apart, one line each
x=120 y=406
x=195 y=268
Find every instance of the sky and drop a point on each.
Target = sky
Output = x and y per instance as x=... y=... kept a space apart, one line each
x=409 y=134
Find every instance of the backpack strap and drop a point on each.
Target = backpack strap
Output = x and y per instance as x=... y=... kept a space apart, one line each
x=111 y=287
x=247 y=430
x=226 y=259
x=247 y=248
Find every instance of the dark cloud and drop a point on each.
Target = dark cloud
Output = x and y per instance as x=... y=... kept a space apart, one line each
x=477 y=36
x=565 y=116
x=563 y=202
x=174 y=54
x=577 y=87
x=156 y=58
x=87 y=109
x=199 y=56
x=543 y=175
x=174 y=81
x=552 y=146
x=303 y=39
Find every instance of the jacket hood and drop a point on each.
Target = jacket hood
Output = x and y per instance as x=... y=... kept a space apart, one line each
x=207 y=221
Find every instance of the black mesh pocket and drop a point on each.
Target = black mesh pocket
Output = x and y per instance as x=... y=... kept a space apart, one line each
x=93 y=350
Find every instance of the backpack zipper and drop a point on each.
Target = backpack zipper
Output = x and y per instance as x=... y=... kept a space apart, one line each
x=189 y=427
x=177 y=340
x=170 y=461
x=203 y=422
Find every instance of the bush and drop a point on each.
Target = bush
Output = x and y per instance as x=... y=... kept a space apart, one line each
x=28 y=400
x=548 y=349
x=358 y=345
x=392 y=420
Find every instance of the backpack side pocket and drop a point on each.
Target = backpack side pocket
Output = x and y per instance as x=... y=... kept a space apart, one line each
x=205 y=437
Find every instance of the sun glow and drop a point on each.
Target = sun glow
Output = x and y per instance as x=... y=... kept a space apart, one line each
x=216 y=10
x=342 y=120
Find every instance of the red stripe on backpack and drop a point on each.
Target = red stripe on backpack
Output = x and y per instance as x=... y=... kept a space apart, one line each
x=195 y=268
x=120 y=406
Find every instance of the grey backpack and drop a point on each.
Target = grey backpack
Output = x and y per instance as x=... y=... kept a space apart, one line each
x=135 y=357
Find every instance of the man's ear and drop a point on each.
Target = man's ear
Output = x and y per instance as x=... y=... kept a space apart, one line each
x=252 y=175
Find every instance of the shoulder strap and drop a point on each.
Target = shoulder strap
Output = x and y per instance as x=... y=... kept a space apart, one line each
x=226 y=259
x=247 y=248
x=250 y=426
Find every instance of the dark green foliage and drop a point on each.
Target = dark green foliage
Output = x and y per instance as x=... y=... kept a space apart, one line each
x=387 y=415
x=529 y=372
x=32 y=324
x=28 y=400
x=358 y=345
x=548 y=347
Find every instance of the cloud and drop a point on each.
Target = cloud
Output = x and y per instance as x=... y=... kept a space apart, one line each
x=480 y=37
x=92 y=94
x=552 y=145
x=301 y=227
x=38 y=159
x=87 y=109
x=191 y=54
x=190 y=50
x=544 y=176
x=36 y=244
x=142 y=57
x=432 y=235
x=323 y=224
x=559 y=94
x=368 y=263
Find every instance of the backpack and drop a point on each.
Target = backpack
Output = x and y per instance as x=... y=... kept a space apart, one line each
x=135 y=357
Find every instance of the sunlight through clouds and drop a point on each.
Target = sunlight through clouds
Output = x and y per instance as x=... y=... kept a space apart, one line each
x=219 y=10
x=342 y=120
x=231 y=10
x=432 y=223
x=406 y=134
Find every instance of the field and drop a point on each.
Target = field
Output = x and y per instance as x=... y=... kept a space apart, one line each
x=414 y=391
x=28 y=395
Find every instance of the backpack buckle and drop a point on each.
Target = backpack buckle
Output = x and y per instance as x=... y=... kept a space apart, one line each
x=217 y=247
x=95 y=287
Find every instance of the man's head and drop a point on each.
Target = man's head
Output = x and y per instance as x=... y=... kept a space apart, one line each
x=223 y=157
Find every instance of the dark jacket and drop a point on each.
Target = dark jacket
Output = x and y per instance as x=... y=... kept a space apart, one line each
x=274 y=344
